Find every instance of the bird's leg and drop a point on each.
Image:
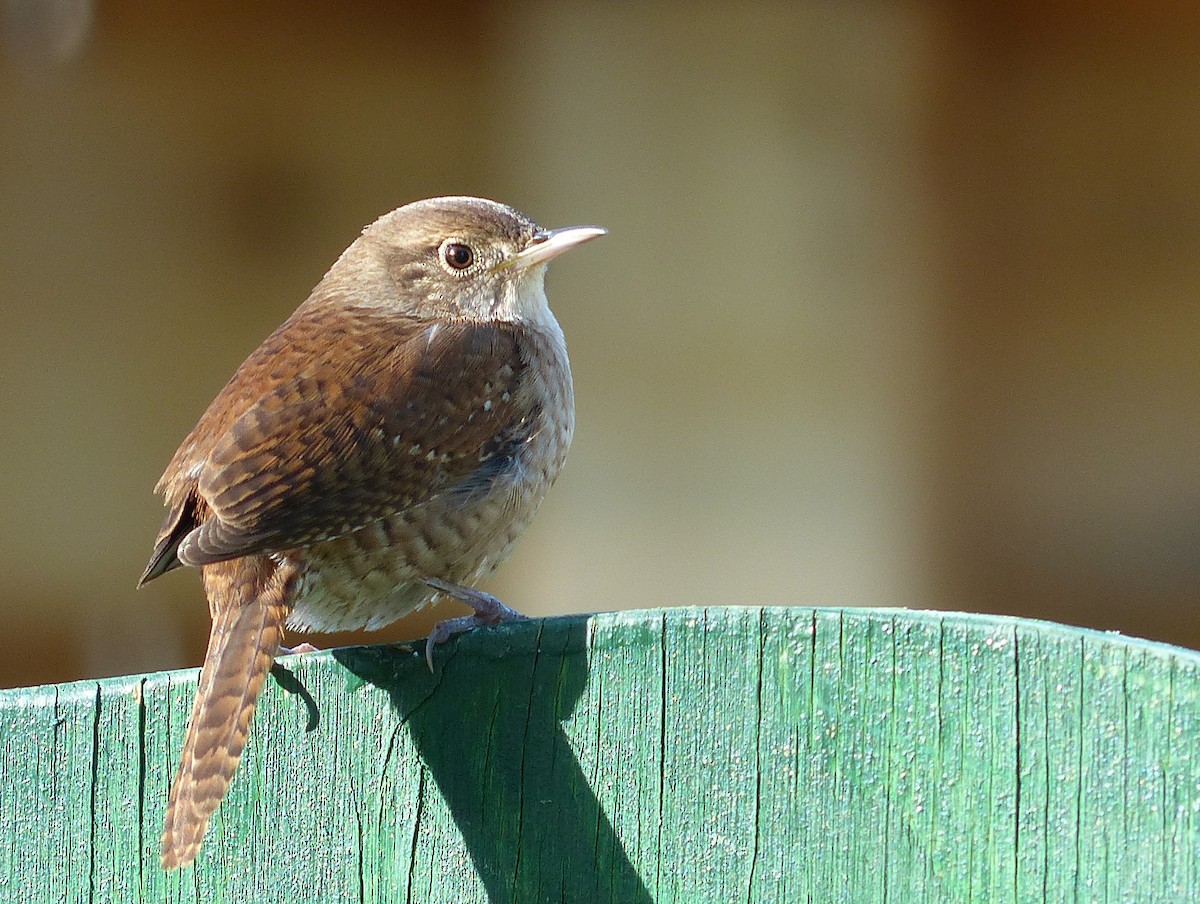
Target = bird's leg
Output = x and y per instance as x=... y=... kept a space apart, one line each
x=305 y=647
x=488 y=611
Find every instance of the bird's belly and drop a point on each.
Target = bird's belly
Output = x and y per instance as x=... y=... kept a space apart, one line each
x=373 y=576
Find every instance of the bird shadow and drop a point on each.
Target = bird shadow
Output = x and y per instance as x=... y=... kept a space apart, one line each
x=488 y=728
x=289 y=683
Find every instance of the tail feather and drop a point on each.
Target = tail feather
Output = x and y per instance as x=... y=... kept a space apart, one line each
x=250 y=600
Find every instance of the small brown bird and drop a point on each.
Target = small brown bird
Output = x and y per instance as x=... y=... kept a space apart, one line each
x=387 y=444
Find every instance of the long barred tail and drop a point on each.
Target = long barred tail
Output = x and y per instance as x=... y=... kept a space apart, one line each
x=250 y=599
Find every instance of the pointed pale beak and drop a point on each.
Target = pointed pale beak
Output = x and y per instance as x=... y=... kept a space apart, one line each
x=550 y=243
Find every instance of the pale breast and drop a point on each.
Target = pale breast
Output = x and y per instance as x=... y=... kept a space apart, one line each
x=373 y=576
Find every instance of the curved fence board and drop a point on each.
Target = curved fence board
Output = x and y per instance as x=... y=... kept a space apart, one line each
x=680 y=755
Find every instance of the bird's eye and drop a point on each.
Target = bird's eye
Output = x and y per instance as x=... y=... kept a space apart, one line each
x=457 y=255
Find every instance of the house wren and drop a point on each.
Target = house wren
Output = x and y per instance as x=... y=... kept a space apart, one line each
x=386 y=445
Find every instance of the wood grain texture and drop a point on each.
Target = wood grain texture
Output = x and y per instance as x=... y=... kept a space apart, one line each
x=672 y=756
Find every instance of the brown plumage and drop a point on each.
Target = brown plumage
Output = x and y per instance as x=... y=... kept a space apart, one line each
x=400 y=428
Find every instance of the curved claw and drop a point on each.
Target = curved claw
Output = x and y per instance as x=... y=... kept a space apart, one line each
x=299 y=648
x=488 y=611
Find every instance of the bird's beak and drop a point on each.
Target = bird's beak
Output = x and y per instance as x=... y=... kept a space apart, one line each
x=550 y=243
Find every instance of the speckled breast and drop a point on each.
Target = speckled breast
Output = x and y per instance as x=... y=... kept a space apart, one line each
x=373 y=576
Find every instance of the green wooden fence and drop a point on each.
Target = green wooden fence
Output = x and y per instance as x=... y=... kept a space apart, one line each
x=684 y=755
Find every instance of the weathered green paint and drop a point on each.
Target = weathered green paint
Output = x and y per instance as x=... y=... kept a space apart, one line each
x=686 y=755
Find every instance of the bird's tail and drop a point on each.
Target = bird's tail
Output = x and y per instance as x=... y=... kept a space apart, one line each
x=250 y=599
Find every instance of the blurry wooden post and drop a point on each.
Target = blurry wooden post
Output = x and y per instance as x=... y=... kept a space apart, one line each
x=686 y=755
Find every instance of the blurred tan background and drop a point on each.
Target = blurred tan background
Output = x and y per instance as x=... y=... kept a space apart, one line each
x=900 y=304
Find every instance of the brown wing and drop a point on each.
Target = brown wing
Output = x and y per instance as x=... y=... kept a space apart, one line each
x=363 y=415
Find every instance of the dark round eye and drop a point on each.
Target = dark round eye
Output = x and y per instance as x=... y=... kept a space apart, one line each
x=458 y=255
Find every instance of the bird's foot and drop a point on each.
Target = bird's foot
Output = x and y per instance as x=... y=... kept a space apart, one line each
x=299 y=648
x=488 y=611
